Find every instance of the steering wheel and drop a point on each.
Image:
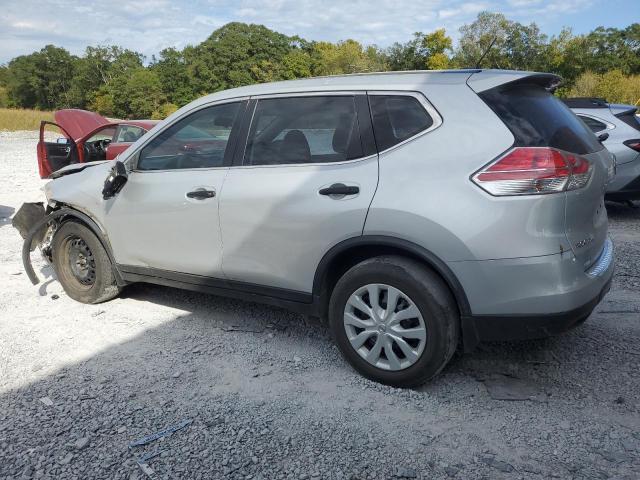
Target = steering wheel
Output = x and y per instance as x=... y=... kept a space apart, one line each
x=101 y=145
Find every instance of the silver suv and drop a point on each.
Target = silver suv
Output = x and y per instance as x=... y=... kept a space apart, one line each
x=618 y=126
x=415 y=211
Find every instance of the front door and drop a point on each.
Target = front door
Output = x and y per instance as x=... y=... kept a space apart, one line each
x=54 y=155
x=306 y=179
x=166 y=216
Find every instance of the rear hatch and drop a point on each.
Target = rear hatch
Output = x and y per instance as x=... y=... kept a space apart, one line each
x=629 y=115
x=539 y=119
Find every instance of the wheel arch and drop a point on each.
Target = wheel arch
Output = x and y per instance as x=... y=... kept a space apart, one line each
x=62 y=214
x=349 y=252
x=69 y=213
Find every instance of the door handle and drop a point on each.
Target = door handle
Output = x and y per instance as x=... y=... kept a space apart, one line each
x=201 y=194
x=339 y=189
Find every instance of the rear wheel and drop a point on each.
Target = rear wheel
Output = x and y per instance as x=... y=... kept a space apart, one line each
x=394 y=320
x=82 y=264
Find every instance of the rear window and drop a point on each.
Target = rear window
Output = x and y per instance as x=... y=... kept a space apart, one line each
x=538 y=119
x=397 y=118
x=630 y=118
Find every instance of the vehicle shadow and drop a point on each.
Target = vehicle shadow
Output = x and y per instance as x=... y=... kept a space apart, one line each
x=623 y=211
x=5 y=215
x=234 y=366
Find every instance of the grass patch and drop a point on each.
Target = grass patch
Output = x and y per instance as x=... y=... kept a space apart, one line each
x=13 y=119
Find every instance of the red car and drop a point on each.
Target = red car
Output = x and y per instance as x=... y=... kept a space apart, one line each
x=87 y=137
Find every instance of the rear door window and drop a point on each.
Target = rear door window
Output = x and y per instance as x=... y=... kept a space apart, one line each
x=538 y=119
x=128 y=134
x=397 y=118
x=593 y=124
x=302 y=130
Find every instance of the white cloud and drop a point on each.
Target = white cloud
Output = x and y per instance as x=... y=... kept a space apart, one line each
x=464 y=9
x=151 y=25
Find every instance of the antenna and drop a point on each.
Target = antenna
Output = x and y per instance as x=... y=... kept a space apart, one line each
x=484 y=54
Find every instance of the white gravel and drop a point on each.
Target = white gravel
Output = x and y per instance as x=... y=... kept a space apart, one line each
x=270 y=397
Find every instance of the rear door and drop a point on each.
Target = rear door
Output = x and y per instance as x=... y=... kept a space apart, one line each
x=55 y=150
x=302 y=184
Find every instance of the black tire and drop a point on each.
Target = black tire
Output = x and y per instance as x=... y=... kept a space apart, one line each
x=97 y=284
x=431 y=296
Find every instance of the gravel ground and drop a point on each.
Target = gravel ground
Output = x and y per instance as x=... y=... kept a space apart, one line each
x=270 y=397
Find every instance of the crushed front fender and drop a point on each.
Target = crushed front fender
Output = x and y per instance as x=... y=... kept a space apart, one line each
x=34 y=224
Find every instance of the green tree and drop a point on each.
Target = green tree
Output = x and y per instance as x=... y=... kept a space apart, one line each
x=435 y=46
x=173 y=72
x=99 y=66
x=236 y=54
x=431 y=51
x=348 y=56
x=406 y=56
x=142 y=94
x=42 y=79
x=487 y=36
x=614 y=86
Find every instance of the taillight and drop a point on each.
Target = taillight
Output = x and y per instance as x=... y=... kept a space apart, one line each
x=534 y=170
x=633 y=144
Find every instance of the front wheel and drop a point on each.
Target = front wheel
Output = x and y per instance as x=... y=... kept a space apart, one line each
x=82 y=264
x=394 y=320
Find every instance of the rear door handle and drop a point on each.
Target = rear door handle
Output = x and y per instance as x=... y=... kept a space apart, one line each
x=201 y=194
x=339 y=189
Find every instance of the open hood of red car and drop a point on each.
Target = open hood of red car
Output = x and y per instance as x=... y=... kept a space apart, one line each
x=79 y=123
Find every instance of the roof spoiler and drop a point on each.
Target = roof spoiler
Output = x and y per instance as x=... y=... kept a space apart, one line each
x=488 y=79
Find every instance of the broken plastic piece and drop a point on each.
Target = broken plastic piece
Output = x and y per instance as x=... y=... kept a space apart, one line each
x=148 y=456
x=27 y=216
x=163 y=433
x=147 y=470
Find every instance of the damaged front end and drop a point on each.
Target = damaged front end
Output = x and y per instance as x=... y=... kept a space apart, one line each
x=67 y=195
x=37 y=227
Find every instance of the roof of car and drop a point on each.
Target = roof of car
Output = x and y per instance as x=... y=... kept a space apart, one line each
x=404 y=80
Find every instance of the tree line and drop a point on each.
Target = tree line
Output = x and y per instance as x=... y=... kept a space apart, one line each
x=121 y=83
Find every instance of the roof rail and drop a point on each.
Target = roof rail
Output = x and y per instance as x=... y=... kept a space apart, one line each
x=586 y=102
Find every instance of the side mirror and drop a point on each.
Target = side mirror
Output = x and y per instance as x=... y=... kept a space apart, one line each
x=115 y=181
x=603 y=136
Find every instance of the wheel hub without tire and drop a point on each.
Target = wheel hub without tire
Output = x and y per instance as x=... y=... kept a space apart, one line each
x=385 y=327
x=81 y=261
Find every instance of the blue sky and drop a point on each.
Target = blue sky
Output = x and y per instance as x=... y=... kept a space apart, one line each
x=150 y=25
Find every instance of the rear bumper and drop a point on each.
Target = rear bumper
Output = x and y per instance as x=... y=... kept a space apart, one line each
x=484 y=328
x=532 y=297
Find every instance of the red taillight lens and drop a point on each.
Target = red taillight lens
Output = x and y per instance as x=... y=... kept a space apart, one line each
x=534 y=170
x=633 y=144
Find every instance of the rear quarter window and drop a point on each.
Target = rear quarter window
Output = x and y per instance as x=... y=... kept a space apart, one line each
x=593 y=124
x=397 y=118
x=538 y=119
